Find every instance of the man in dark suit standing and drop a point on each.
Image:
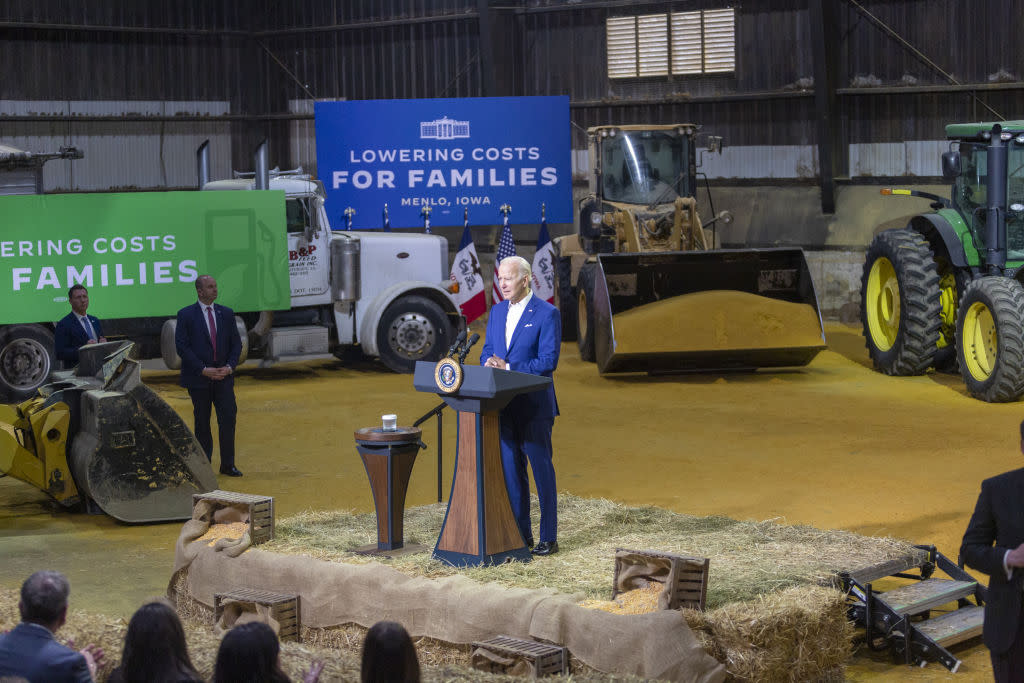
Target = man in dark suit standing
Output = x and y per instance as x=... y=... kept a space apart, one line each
x=524 y=334
x=77 y=328
x=209 y=345
x=30 y=649
x=994 y=544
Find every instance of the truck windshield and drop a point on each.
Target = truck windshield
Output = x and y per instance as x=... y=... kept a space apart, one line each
x=970 y=195
x=643 y=167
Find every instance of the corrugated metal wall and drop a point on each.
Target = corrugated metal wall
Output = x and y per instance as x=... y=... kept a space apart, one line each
x=93 y=74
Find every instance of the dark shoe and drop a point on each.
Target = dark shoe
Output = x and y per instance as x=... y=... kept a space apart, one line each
x=529 y=543
x=230 y=471
x=546 y=548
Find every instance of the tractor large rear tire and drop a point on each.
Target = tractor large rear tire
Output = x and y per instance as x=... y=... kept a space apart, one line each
x=990 y=339
x=585 y=311
x=900 y=308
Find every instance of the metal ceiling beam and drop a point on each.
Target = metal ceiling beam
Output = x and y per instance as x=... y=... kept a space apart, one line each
x=833 y=155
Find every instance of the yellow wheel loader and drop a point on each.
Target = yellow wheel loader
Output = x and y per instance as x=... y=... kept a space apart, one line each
x=100 y=439
x=640 y=286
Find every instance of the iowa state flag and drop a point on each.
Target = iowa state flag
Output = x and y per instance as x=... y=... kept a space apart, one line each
x=471 y=297
x=544 y=265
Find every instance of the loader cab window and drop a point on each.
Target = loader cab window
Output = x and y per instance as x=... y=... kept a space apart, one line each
x=645 y=167
x=298 y=214
x=970 y=195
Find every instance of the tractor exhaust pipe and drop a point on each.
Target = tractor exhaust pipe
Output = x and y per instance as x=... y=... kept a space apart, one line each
x=262 y=167
x=203 y=163
x=995 y=219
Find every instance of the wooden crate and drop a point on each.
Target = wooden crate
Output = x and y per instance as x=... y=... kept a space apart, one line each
x=546 y=659
x=260 y=509
x=685 y=578
x=283 y=608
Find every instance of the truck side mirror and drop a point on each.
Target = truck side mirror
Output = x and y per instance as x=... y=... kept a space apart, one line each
x=950 y=165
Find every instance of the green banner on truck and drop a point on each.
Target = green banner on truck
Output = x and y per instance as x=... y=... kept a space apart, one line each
x=139 y=253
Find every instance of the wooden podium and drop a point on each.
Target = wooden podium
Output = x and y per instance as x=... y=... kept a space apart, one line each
x=479 y=528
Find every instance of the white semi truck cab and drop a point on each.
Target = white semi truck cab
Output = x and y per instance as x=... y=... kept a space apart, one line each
x=384 y=293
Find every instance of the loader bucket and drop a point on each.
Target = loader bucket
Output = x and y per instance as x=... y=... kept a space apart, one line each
x=129 y=452
x=726 y=309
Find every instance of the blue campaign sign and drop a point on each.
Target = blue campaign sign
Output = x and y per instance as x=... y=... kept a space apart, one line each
x=448 y=155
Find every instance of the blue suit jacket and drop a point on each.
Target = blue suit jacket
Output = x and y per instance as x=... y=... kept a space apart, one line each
x=192 y=340
x=536 y=343
x=31 y=651
x=69 y=335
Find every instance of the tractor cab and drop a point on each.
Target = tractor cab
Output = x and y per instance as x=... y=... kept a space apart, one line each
x=968 y=166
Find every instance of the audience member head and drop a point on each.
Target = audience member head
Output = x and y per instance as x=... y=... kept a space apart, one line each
x=389 y=655
x=44 y=599
x=249 y=652
x=154 y=647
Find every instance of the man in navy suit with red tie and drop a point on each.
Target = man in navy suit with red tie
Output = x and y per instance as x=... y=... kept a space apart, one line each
x=524 y=334
x=209 y=345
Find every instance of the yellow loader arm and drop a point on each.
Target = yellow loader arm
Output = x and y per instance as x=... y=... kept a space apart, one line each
x=33 y=443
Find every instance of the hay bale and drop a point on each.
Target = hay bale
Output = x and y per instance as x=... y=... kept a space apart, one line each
x=797 y=634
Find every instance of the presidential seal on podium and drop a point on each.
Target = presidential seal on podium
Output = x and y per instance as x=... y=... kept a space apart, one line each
x=448 y=375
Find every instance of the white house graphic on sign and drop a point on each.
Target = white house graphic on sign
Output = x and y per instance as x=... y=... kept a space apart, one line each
x=444 y=129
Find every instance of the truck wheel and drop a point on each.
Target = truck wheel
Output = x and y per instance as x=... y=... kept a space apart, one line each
x=566 y=298
x=990 y=339
x=26 y=360
x=900 y=309
x=412 y=328
x=585 y=312
x=168 y=351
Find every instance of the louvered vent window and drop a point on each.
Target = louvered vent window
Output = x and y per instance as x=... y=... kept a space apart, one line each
x=682 y=43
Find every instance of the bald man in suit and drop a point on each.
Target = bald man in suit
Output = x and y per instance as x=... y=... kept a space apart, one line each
x=209 y=345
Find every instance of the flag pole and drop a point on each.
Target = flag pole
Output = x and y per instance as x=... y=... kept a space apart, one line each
x=426 y=218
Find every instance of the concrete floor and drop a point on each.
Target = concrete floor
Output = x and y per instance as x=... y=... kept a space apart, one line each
x=833 y=445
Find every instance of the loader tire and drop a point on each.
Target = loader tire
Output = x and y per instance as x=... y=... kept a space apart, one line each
x=26 y=361
x=566 y=298
x=413 y=328
x=990 y=339
x=900 y=308
x=585 y=312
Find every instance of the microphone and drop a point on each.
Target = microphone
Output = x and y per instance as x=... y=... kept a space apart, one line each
x=469 y=344
x=455 y=344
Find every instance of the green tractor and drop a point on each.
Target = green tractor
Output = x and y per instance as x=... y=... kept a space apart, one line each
x=945 y=291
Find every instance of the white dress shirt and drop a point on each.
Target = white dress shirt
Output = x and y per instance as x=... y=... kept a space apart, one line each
x=515 y=313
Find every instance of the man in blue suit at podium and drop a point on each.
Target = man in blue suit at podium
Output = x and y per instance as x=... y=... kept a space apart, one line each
x=524 y=334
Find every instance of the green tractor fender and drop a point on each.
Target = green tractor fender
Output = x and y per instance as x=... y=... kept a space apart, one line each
x=944 y=238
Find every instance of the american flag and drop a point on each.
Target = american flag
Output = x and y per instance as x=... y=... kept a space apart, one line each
x=506 y=248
